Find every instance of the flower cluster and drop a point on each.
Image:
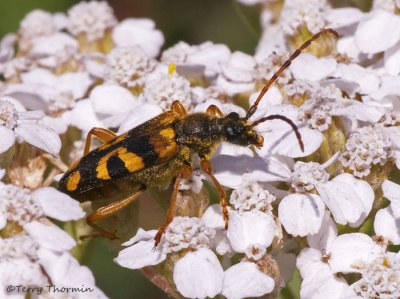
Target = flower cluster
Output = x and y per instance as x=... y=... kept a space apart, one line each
x=322 y=208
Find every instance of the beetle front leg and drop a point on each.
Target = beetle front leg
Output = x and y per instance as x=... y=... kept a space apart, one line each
x=178 y=108
x=183 y=174
x=104 y=135
x=206 y=166
x=213 y=110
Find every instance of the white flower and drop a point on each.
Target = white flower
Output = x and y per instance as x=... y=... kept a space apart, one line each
x=163 y=89
x=244 y=280
x=177 y=54
x=249 y=229
x=35 y=24
x=20 y=205
x=250 y=196
x=185 y=232
x=365 y=147
x=236 y=74
x=138 y=32
x=127 y=66
x=347 y=253
x=306 y=176
x=91 y=18
x=24 y=260
x=53 y=50
x=386 y=222
x=23 y=125
x=380 y=277
x=349 y=199
x=369 y=37
x=280 y=137
x=199 y=274
x=298 y=13
x=301 y=214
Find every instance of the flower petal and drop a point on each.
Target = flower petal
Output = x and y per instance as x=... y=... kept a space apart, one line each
x=369 y=37
x=244 y=280
x=40 y=136
x=326 y=234
x=140 y=255
x=387 y=225
x=349 y=199
x=49 y=236
x=212 y=217
x=112 y=99
x=58 y=205
x=7 y=139
x=199 y=274
x=250 y=228
x=139 y=32
x=301 y=214
x=392 y=60
x=309 y=67
x=349 y=249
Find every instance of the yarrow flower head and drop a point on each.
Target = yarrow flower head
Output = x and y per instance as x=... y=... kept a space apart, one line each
x=380 y=277
x=317 y=113
x=250 y=196
x=187 y=233
x=303 y=13
x=306 y=176
x=163 y=89
x=91 y=18
x=35 y=24
x=365 y=147
x=23 y=125
x=127 y=66
x=17 y=205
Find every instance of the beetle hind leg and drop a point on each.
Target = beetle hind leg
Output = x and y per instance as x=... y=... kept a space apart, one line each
x=108 y=211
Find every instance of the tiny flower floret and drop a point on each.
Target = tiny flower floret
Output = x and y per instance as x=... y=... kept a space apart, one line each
x=317 y=114
x=365 y=147
x=307 y=175
x=250 y=196
x=91 y=18
x=267 y=67
x=255 y=252
x=17 y=205
x=185 y=233
x=127 y=66
x=8 y=115
x=380 y=278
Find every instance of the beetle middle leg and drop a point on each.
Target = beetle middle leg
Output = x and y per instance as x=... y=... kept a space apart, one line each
x=206 y=166
x=178 y=108
x=110 y=210
x=213 y=110
x=103 y=134
x=183 y=174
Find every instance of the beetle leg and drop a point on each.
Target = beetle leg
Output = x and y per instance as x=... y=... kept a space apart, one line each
x=214 y=111
x=178 y=108
x=110 y=210
x=103 y=134
x=206 y=166
x=183 y=174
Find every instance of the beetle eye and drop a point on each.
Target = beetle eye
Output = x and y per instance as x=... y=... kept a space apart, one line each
x=231 y=132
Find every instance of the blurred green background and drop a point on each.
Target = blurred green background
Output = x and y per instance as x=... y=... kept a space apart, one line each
x=193 y=21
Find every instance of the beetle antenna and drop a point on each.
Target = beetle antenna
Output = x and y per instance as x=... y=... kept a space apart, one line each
x=284 y=118
x=284 y=66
